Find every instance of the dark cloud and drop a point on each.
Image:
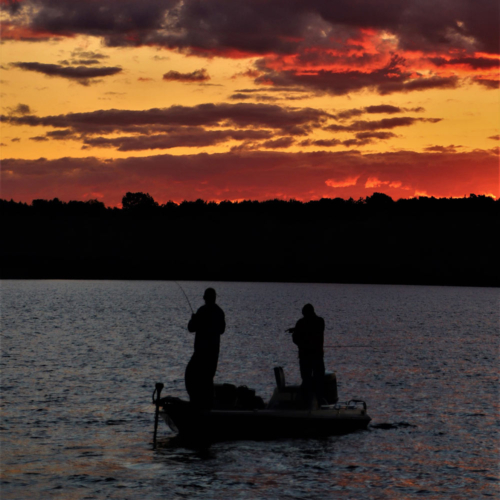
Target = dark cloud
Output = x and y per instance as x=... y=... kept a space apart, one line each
x=192 y=138
x=332 y=82
x=260 y=97
x=241 y=97
x=356 y=142
x=325 y=143
x=375 y=135
x=385 y=123
x=419 y=84
x=250 y=73
x=364 y=138
x=61 y=135
x=495 y=137
x=381 y=108
x=78 y=53
x=287 y=90
x=200 y=75
x=387 y=80
x=472 y=62
x=252 y=27
x=282 y=142
x=442 y=149
x=121 y=23
x=488 y=83
x=294 y=121
x=85 y=62
x=349 y=113
x=20 y=110
x=80 y=74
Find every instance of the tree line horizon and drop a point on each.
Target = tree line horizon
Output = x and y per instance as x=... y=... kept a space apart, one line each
x=417 y=241
x=140 y=203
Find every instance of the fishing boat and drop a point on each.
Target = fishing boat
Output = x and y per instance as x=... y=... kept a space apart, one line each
x=238 y=413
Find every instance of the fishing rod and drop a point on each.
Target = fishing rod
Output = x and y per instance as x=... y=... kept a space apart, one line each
x=182 y=290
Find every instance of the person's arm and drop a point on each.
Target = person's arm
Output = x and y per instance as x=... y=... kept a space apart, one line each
x=297 y=334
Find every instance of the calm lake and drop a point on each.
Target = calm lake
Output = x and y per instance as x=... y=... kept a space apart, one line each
x=80 y=360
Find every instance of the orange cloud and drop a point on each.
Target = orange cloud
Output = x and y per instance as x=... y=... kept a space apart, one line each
x=349 y=181
x=373 y=182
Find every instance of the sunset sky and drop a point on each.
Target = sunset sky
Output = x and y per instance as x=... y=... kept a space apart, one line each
x=249 y=99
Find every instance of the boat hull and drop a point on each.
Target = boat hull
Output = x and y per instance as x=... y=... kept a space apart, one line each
x=220 y=425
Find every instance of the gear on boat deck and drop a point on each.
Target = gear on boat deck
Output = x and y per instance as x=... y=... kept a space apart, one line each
x=238 y=413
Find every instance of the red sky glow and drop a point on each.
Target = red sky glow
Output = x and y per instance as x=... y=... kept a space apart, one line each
x=255 y=99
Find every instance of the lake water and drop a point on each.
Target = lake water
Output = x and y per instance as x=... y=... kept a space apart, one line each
x=80 y=360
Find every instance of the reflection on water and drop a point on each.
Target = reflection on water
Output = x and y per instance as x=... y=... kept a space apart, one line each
x=80 y=359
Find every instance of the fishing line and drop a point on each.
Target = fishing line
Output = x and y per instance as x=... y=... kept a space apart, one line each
x=182 y=290
x=371 y=346
x=340 y=346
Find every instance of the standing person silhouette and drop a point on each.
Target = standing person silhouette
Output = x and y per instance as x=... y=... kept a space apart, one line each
x=308 y=335
x=209 y=324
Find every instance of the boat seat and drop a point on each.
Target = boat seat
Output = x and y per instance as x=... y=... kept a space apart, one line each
x=279 y=374
x=284 y=396
x=291 y=396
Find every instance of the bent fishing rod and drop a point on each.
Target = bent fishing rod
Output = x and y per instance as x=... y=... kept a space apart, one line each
x=182 y=290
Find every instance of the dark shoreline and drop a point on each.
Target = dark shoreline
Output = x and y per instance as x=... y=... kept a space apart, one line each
x=425 y=241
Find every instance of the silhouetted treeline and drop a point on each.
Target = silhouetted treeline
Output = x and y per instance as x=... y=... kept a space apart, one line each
x=370 y=240
x=143 y=205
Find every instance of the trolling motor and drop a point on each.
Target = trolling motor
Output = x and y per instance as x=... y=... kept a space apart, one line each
x=158 y=388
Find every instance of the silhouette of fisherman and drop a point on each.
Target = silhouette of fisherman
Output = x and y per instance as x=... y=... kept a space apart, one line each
x=209 y=324
x=308 y=335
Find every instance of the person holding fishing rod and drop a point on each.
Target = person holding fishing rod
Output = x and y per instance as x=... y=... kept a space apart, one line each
x=308 y=335
x=208 y=324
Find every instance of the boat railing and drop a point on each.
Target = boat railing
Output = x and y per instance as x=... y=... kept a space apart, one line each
x=352 y=404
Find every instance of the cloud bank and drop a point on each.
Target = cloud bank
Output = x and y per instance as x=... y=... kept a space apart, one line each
x=387 y=46
x=254 y=175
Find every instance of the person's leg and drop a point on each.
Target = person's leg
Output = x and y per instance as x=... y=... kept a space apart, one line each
x=192 y=379
x=212 y=359
x=208 y=368
x=306 y=373
x=318 y=369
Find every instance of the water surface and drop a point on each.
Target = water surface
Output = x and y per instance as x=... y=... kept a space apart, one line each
x=80 y=359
